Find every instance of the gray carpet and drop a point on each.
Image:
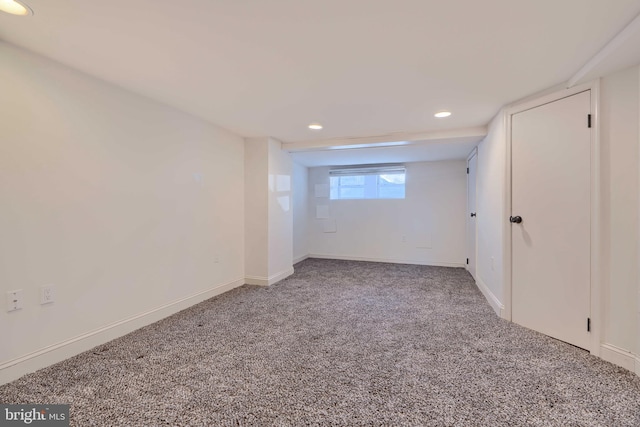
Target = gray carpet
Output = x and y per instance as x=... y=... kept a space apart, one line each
x=339 y=343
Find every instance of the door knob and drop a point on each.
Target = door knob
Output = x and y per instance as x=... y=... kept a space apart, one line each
x=473 y=214
x=515 y=219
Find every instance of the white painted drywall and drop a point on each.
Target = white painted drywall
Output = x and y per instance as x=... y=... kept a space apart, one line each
x=269 y=212
x=121 y=202
x=427 y=227
x=280 y=212
x=637 y=352
x=256 y=198
x=619 y=144
x=300 y=195
x=490 y=209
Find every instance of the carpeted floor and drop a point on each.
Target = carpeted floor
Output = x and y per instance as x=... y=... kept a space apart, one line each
x=339 y=343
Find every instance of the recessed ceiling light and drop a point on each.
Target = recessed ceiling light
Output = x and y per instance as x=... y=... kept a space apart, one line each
x=15 y=7
x=442 y=114
x=315 y=126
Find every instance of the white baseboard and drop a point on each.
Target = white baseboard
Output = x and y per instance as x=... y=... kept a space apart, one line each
x=15 y=368
x=386 y=260
x=620 y=357
x=300 y=259
x=493 y=301
x=268 y=281
x=466 y=267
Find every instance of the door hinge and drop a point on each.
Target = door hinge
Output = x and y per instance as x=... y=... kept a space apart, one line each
x=467 y=171
x=588 y=324
x=467 y=260
x=588 y=120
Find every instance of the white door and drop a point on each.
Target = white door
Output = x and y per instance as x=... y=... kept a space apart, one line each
x=471 y=213
x=550 y=164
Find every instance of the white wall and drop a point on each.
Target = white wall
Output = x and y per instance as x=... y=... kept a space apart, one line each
x=269 y=216
x=619 y=114
x=300 y=187
x=280 y=212
x=256 y=200
x=427 y=227
x=120 y=202
x=637 y=353
x=490 y=186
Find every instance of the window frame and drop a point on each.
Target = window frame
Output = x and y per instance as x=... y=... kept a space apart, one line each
x=365 y=170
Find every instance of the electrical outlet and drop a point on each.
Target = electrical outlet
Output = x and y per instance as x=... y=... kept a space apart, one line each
x=216 y=259
x=14 y=300
x=47 y=294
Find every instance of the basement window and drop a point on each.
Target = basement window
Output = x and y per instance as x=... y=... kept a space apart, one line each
x=367 y=182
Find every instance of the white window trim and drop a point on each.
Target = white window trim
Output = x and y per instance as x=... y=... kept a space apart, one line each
x=362 y=170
